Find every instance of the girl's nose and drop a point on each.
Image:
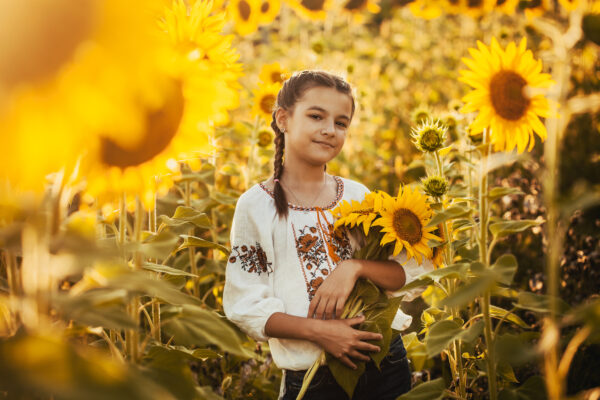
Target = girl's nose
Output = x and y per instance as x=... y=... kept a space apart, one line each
x=329 y=127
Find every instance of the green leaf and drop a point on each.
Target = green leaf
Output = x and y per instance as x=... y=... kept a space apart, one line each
x=505 y=268
x=415 y=350
x=186 y=216
x=539 y=303
x=165 y=269
x=467 y=293
x=505 y=228
x=100 y=307
x=498 y=312
x=533 y=389
x=449 y=213
x=472 y=333
x=345 y=376
x=169 y=367
x=505 y=371
x=440 y=334
x=502 y=191
x=193 y=241
x=453 y=271
x=432 y=390
x=159 y=245
x=195 y=326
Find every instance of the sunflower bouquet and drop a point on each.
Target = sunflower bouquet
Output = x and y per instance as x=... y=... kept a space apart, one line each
x=384 y=225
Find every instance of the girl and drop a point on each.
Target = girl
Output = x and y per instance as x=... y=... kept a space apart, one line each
x=289 y=274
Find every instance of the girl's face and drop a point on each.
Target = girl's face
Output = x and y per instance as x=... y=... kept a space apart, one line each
x=316 y=128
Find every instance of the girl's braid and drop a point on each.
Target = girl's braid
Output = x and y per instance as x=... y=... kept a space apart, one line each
x=280 y=198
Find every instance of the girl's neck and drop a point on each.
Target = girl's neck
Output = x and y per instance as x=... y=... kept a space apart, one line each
x=305 y=177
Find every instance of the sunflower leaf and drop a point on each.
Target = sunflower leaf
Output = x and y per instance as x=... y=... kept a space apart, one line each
x=505 y=228
x=449 y=213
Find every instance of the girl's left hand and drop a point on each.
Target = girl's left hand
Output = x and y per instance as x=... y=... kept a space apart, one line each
x=331 y=296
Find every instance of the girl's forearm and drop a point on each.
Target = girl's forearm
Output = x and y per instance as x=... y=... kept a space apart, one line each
x=388 y=275
x=285 y=326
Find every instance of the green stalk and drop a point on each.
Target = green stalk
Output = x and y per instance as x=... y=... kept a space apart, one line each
x=457 y=344
x=191 y=251
x=156 y=333
x=14 y=286
x=483 y=249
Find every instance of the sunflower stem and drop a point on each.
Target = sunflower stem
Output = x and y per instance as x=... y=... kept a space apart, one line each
x=448 y=256
x=191 y=251
x=156 y=333
x=483 y=228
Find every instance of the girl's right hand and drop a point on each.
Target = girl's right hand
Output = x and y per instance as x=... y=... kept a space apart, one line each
x=338 y=338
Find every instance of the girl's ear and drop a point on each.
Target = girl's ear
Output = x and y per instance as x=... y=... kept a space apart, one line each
x=281 y=119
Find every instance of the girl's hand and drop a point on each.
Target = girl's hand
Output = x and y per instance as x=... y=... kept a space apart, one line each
x=338 y=338
x=330 y=298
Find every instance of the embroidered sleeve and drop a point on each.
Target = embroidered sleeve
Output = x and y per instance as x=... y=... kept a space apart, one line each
x=248 y=298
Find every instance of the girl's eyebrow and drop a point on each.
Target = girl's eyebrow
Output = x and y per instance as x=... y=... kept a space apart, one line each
x=317 y=108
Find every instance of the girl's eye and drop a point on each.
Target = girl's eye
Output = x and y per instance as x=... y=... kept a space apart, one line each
x=315 y=116
x=343 y=125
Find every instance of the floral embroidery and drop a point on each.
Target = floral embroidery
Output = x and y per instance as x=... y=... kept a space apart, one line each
x=341 y=243
x=252 y=259
x=312 y=252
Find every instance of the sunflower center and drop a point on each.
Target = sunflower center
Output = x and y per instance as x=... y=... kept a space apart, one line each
x=430 y=139
x=313 y=5
x=276 y=77
x=474 y=3
x=265 y=7
x=244 y=9
x=267 y=102
x=507 y=95
x=407 y=226
x=355 y=4
x=500 y=2
x=161 y=128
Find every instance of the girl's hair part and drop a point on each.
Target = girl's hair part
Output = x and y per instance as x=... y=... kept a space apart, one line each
x=292 y=90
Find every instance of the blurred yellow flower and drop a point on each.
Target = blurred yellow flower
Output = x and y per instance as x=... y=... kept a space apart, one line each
x=49 y=116
x=506 y=6
x=357 y=8
x=502 y=81
x=404 y=219
x=571 y=5
x=426 y=9
x=273 y=73
x=268 y=11
x=265 y=97
x=535 y=8
x=245 y=15
x=195 y=91
x=311 y=9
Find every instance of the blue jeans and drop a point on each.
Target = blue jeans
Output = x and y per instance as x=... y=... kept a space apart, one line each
x=387 y=384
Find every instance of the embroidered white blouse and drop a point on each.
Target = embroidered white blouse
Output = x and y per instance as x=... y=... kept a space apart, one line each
x=276 y=265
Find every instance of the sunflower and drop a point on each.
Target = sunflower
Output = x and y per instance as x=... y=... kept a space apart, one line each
x=54 y=110
x=535 y=8
x=476 y=8
x=571 y=5
x=311 y=9
x=426 y=9
x=268 y=11
x=404 y=220
x=500 y=79
x=179 y=121
x=356 y=8
x=245 y=15
x=265 y=97
x=273 y=73
x=506 y=6
x=359 y=213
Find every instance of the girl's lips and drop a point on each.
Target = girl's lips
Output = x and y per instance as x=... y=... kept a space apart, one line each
x=324 y=144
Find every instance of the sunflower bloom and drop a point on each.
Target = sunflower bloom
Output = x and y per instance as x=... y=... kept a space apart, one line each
x=273 y=73
x=404 y=220
x=426 y=9
x=502 y=81
x=179 y=121
x=245 y=15
x=268 y=10
x=311 y=9
x=357 y=7
x=265 y=97
x=358 y=213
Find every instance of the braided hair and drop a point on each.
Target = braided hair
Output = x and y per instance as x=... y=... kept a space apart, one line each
x=293 y=89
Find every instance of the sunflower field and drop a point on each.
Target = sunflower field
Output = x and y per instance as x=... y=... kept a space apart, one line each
x=128 y=130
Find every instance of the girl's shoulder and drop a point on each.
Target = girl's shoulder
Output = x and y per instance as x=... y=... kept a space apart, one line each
x=354 y=190
x=254 y=198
